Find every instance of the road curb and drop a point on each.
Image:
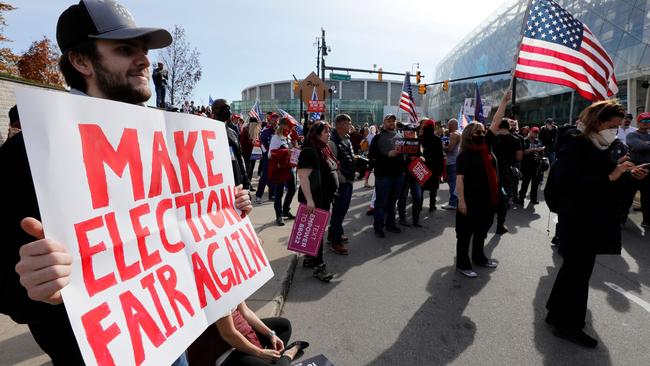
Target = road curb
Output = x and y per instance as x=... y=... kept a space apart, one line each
x=285 y=285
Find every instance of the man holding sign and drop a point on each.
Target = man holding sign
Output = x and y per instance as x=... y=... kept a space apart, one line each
x=104 y=55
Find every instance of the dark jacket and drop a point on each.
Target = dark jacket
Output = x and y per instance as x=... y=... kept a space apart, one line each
x=238 y=167
x=18 y=202
x=588 y=221
x=433 y=157
x=246 y=143
x=384 y=165
x=344 y=154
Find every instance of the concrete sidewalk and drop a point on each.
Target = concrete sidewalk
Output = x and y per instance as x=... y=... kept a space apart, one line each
x=17 y=346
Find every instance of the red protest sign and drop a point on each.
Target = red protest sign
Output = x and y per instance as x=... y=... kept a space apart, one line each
x=420 y=171
x=144 y=201
x=316 y=106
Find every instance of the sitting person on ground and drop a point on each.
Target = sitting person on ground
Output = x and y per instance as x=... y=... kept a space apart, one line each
x=241 y=338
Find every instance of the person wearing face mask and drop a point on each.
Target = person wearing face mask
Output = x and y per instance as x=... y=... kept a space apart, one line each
x=625 y=128
x=639 y=144
x=588 y=222
x=221 y=112
x=477 y=187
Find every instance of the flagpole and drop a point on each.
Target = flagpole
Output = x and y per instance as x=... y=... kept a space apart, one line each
x=513 y=81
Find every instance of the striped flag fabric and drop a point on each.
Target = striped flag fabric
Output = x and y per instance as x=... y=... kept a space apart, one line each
x=406 y=101
x=256 y=111
x=284 y=113
x=315 y=116
x=557 y=48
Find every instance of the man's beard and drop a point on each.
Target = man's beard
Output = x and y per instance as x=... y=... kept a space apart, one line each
x=116 y=86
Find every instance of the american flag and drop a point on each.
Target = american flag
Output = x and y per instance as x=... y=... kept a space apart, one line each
x=284 y=113
x=559 y=49
x=315 y=116
x=406 y=100
x=256 y=111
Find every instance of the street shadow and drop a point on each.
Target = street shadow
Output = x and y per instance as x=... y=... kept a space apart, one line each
x=23 y=348
x=439 y=331
x=558 y=351
x=365 y=247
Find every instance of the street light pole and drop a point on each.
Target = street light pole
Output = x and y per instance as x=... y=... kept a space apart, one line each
x=323 y=53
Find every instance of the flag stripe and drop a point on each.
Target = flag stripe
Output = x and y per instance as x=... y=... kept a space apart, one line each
x=580 y=72
x=550 y=49
x=553 y=80
x=556 y=77
x=585 y=81
x=597 y=46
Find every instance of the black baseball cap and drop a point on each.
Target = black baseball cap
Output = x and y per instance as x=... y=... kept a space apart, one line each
x=104 y=19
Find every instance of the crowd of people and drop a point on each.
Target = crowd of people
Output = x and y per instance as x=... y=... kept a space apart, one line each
x=596 y=167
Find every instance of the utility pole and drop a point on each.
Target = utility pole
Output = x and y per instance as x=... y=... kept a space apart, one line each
x=317 y=44
x=323 y=53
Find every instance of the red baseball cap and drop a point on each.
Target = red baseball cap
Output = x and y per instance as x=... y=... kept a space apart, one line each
x=534 y=129
x=643 y=117
x=428 y=122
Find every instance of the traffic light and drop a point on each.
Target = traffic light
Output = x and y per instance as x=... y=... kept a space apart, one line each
x=445 y=85
x=422 y=89
x=418 y=76
x=379 y=74
x=296 y=85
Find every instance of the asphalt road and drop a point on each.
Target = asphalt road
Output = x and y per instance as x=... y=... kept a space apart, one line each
x=398 y=300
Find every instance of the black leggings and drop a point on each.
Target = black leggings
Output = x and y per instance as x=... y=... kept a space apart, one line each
x=282 y=328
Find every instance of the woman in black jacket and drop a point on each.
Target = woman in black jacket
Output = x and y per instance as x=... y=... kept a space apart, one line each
x=477 y=187
x=588 y=222
x=433 y=158
x=318 y=176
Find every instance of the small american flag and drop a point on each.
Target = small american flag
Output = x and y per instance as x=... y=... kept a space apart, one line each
x=557 y=48
x=256 y=111
x=406 y=100
x=284 y=114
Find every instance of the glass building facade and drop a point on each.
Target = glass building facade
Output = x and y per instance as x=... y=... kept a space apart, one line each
x=365 y=100
x=622 y=26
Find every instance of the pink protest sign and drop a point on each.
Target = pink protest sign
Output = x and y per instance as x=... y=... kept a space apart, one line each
x=295 y=154
x=308 y=229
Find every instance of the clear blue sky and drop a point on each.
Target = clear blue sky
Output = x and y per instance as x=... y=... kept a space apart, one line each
x=246 y=42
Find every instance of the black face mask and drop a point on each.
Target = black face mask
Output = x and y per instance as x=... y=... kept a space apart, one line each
x=478 y=139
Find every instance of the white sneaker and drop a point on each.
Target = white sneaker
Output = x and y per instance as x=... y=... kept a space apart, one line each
x=448 y=207
x=468 y=272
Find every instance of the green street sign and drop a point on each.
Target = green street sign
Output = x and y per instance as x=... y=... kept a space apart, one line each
x=341 y=77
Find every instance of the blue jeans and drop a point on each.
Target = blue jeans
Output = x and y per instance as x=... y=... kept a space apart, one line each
x=160 y=96
x=278 y=189
x=339 y=210
x=451 y=179
x=388 y=189
x=264 y=178
x=181 y=360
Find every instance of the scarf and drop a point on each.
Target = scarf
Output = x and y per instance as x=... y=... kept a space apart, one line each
x=596 y=139
x=490 y=171
x=325 y=151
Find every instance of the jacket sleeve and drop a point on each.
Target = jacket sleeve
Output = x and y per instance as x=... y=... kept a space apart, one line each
x=634 y=141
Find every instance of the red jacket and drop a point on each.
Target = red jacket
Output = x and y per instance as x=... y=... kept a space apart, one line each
x=279 y=165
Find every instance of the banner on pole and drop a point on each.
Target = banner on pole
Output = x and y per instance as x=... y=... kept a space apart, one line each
x=144 y=202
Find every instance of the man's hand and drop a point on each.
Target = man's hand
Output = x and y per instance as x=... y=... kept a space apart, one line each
x=44 y=265
x=639 y=173
x=243 y=200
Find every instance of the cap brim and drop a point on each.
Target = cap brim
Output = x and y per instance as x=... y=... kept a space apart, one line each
x=154 y=37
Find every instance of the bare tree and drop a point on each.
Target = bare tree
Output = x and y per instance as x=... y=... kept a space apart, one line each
x=182 y=63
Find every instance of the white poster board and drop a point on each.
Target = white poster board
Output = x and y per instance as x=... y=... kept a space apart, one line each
x=144 y=202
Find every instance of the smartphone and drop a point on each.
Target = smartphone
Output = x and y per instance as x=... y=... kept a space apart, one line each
x=645 y=165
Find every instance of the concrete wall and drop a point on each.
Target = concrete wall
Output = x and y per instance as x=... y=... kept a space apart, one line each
x=7 y=100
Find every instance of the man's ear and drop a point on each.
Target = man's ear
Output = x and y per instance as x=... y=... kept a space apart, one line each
x=81 y=63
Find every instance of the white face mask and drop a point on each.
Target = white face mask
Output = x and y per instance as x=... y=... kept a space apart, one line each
x=608 y=135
